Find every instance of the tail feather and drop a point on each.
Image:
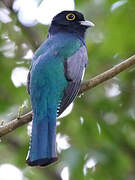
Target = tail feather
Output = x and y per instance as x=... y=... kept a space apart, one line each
x=42 y=148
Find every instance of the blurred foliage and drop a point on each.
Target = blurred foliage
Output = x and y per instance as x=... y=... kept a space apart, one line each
x=101 y=127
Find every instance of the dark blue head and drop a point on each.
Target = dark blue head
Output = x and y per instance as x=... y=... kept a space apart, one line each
x=70 y=21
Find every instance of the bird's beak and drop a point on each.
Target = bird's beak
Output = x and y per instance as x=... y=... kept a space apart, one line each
x=87 y=23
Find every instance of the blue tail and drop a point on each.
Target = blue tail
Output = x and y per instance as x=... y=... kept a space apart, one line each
x=42 y=148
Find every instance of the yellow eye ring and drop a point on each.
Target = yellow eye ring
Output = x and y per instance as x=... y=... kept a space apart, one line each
x=70 y=17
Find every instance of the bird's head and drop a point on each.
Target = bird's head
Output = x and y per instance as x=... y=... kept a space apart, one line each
x=70 y=21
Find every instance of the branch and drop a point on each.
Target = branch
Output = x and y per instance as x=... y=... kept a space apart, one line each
x=15 y=124
x=85 y=86
x=107 y=74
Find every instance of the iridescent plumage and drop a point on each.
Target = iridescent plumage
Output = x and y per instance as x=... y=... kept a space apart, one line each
x=54 y=81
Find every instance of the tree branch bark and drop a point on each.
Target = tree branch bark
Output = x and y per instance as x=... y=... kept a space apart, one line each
x=91 y=83
x=85 y=86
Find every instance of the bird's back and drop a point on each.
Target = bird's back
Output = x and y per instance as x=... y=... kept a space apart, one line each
x=66 y=43
x=48 y=62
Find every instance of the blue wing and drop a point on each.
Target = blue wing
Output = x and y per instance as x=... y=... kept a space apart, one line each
x=74 y=68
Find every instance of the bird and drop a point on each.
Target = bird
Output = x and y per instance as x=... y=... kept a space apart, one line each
x=54 y=79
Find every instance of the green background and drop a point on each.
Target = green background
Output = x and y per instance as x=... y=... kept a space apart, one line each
x=107 y=134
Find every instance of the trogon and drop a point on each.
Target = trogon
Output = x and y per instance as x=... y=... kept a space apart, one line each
x=54 y=80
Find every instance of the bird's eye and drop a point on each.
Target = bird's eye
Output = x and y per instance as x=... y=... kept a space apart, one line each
x=70 y=17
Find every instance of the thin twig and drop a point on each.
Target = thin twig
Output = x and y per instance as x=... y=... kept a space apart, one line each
x=84 y=87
